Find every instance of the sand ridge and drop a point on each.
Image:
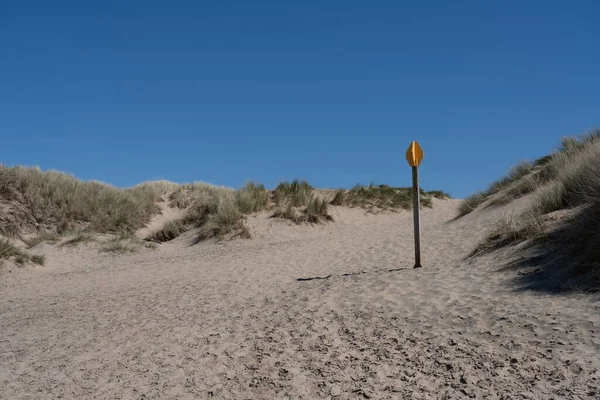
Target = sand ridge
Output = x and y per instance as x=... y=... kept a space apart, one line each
x=231 y=320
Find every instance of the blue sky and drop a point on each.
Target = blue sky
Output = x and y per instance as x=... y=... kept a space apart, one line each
x=329 y=91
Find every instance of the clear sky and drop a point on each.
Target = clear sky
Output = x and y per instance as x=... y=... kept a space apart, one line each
x=329 y=91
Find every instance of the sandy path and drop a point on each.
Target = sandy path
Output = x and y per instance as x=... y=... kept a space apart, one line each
x=232 y=321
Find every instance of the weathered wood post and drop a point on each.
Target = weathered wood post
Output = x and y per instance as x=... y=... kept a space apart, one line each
x=414 y=156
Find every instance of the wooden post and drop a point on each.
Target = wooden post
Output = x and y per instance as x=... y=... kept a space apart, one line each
x=416 y=213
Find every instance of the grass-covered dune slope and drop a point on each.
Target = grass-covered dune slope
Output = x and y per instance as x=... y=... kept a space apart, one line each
x=562 y=224
x=37 y=206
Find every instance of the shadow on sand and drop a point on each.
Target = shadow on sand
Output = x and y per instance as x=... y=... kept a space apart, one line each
x=567 y=260
x=379 y=271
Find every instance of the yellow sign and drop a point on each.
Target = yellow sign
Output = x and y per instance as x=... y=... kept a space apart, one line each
x=414 y=154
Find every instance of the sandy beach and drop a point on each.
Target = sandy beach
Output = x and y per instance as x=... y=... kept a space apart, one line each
x=331 y=311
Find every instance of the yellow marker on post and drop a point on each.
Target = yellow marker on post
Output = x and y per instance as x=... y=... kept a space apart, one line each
x=414 y=156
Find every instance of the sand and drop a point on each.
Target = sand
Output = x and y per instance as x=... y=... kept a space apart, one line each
x=232 y=320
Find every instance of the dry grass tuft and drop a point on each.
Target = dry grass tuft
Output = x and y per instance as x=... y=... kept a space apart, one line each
x=297 y=193
x=169 y=231
x=339 y=198
x=50 y=237
x=471 y=203
x=315 y=211
x=516 y=183
x=517 y=172
x=125 y=243
x=297 y=202
x=20 y=257
x=215 y=211
x=289 y=212
x=7 y=249
x=120 y=246
x=511 y=229
x=80 y=237
x=252 y=197
x=227 y=219
x=38 y=259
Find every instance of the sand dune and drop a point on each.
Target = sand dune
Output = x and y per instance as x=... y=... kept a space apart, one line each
x=244 y=320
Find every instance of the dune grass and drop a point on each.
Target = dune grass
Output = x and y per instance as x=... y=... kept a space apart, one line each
x=124 y=243
x=528 y=177
x=7 y=249
x=438 y=194
x=383 y=196
x=288 y=212
x=297 y=193
x=79 y=238
x=252 y=197
x=316 y=211
x=186 y=195
x=510 y=229
x=38 y=259
x=51 y=237
x=169 y=231
x=573 y=174
x=227 y=219
x=54 y=199
x=20 y=257
x=214 y=211
x=514 y=174
x=569 y=178
x=339 y=198
x=298 y=202
x=471 y=203
x=55 y=204
x=119 y=246
x=516 y=183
